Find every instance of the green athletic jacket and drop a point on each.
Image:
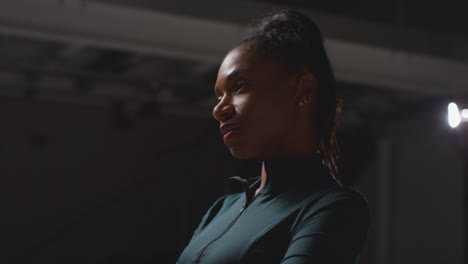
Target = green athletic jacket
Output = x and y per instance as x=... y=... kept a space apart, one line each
x=302 y=215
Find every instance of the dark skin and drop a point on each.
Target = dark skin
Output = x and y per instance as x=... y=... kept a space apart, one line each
x=258 y=94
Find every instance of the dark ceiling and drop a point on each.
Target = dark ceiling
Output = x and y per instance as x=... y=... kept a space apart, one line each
x=444 y=17
x=190 y=81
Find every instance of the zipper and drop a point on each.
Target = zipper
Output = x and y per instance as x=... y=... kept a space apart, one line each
x=197 y=260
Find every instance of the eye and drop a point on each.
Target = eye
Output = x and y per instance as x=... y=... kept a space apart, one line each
x=240 y=86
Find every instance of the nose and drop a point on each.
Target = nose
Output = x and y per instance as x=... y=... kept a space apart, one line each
x=222 y=111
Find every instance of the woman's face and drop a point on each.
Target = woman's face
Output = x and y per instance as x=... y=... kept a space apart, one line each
x=256 y=94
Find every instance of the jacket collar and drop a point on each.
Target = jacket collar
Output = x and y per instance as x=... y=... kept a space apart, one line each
x=305 y=173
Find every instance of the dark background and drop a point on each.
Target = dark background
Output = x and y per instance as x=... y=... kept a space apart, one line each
x=109 y=152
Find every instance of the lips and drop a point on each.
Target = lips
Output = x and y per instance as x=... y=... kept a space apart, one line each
x=226 y=128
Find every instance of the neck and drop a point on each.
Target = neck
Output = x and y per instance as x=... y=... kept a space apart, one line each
x=264 y=171
x=263 y=179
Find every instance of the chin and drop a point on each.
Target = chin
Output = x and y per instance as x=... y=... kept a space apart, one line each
x=239 y=153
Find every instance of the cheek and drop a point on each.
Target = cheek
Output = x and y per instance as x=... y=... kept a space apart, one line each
x=265 y=118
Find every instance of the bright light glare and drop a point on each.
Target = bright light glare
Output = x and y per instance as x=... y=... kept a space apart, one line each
x=454 y=118
x=464 y=113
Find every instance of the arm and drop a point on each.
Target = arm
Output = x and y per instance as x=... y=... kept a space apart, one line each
x=333 y=234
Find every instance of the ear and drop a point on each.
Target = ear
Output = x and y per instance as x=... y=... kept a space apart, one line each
x=306 y=86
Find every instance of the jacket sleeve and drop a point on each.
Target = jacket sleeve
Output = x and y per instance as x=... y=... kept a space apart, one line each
x=333 y=234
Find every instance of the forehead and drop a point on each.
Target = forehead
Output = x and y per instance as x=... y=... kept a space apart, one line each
x=238 y=57
x=241 y=59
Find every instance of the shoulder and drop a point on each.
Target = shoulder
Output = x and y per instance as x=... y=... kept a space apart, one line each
x=222 y=203
x=338 y=206
x=343 y=194
x=339 y=194
x=226 y=200
x=334 y=226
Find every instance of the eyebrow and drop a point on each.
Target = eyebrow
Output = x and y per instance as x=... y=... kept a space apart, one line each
x=234 y=74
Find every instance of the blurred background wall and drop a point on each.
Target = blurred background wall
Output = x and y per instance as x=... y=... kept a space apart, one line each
x=109 y=152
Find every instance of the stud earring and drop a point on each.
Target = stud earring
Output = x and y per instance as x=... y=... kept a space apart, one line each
x=304 y=101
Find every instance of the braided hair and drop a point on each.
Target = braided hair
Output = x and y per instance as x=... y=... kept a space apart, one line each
x=295 y=41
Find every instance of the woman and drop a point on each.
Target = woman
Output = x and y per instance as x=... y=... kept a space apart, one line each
x=277 y=103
